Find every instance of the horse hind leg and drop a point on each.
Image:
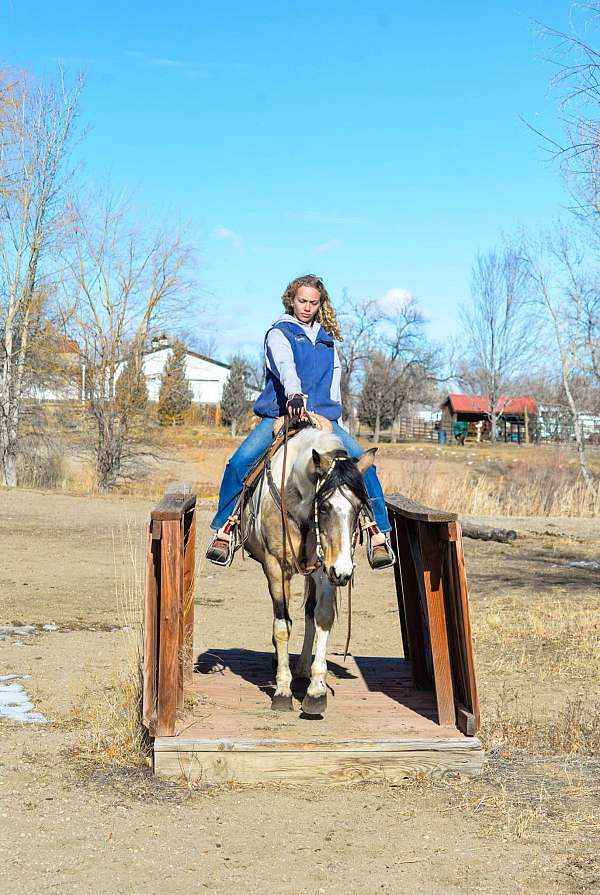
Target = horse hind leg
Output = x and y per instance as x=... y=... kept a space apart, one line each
x=315 y=701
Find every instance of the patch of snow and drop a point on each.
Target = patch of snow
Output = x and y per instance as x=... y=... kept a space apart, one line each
x=15 y=703
x=585 y=564
x=50 y=627
x=21 y=630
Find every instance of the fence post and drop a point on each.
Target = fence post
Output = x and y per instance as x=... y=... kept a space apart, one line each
x=169 y=608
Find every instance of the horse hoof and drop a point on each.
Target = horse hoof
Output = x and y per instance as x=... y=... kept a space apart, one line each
x=280 y=703
x=314 y=705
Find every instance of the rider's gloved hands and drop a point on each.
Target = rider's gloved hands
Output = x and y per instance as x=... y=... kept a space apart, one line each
x=295 y=406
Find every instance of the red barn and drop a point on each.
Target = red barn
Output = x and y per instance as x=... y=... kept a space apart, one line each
x=515 y=416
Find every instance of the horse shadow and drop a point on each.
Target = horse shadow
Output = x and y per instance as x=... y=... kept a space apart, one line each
x=381 y=674
x=258 y=668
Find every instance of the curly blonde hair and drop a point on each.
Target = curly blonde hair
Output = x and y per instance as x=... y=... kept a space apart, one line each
x=326 y=314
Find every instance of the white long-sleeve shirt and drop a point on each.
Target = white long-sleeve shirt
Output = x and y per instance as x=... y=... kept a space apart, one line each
x=283 y=358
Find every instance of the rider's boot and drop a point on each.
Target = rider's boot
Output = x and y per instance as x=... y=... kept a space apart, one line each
x=222 y=547
x=379 y=549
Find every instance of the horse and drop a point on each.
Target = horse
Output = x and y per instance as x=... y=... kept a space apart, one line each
x=303 y=516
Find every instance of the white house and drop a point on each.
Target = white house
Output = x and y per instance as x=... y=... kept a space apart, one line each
x=205 y=375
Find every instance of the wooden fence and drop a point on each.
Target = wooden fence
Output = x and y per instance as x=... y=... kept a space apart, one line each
x=431 y=588
x=169 y=607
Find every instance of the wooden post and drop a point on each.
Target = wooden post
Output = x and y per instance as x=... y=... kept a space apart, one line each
x=181 y=618
x=169 y=607
x=150 y=632
x=189 y=569
x=466 y=625
x=399 y=588
x=434 y=592
x=169 y=646
x=526 y=424
x=411 y=596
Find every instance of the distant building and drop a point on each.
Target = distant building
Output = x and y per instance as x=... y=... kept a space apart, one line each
x=516 y=422
x=57 y=373
x=205 y=375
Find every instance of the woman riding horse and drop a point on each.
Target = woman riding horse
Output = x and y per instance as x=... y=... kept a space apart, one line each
x=302 y=374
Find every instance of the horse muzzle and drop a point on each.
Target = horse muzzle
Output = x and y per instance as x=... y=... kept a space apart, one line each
x=338 y=577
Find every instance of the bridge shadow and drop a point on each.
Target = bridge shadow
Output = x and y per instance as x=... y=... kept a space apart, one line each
x=393 y=677
x=377 y=674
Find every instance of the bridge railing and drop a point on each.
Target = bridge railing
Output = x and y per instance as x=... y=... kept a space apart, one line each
x=169 y=607
x=431 y=589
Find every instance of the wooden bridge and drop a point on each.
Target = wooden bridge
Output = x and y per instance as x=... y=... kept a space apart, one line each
x=388 y=718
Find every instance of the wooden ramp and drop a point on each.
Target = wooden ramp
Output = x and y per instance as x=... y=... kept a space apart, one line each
x=377 y=727
x=388 y=718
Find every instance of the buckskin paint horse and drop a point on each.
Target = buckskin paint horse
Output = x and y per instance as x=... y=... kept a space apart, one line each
x=316 y=491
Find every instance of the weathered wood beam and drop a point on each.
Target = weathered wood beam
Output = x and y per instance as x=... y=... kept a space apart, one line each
x=487 y=533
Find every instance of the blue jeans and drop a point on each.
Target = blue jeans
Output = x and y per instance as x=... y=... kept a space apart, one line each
x=256 y=443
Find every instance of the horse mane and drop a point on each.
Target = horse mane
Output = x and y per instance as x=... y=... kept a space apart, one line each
x=344 y=473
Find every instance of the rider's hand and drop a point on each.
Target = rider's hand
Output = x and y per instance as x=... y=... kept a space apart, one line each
x=295 y=406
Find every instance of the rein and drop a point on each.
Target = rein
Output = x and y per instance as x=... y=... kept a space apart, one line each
x=287 y=538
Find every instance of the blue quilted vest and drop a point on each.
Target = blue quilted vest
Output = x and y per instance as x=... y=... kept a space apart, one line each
x=314 y=365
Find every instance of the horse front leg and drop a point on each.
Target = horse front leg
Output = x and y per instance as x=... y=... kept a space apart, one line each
x=315 y=701
x=282 y=627
x=302 y=669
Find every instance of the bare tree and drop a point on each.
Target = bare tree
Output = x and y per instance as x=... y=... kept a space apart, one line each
x=359 y=319
x=577 y=82
x=36 y=131
x=255 y=369
x=376 y=405
x=497 y=327
x=122 y=282
x=205 y=344
x=562 y=290
x=393 y=370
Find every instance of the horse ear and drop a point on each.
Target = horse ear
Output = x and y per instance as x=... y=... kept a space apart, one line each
x=316 y=459
x=366 y=460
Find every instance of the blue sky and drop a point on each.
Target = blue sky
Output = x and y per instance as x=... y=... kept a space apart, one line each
x=378 y=144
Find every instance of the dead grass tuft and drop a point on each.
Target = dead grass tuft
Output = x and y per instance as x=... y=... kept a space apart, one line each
x=514 y=727
x=111 y=717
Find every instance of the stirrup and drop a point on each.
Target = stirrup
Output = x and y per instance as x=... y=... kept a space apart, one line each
x=386 y=557
x=224 y=556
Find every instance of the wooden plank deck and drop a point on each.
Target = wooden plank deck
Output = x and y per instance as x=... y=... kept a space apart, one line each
x=377 y=727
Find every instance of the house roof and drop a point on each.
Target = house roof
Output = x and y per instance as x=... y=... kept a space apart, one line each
x=66 y=346
x=210 y=360
x=481 y=404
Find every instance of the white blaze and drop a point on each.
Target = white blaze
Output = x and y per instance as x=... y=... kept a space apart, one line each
x=342 y=564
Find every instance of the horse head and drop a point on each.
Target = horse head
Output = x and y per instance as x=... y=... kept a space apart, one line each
x=340 y=496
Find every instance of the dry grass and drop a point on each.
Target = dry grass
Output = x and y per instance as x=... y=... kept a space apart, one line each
x=111 y=716
x=542 y=737
x=531 y=485
x=517 y=725
x=499 y=480
x=545 y=640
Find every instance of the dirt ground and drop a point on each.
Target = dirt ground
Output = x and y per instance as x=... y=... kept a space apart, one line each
x=76 y=821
